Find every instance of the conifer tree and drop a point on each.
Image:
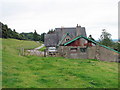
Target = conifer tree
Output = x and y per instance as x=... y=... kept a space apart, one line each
x=35 y=36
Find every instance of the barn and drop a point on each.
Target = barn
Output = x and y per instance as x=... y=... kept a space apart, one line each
x=89 y=49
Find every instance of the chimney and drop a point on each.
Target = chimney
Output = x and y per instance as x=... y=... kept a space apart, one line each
x=77 y=25
x=62 y=30
x=78 y=29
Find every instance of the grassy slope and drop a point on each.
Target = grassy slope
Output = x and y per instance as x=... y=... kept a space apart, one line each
x=42 y=49
x=0 y=63
x=58 y=72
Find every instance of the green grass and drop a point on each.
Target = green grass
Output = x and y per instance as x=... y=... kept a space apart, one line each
x=0 y=64
x=54 y=72
x=13 y=43
x=42 y=49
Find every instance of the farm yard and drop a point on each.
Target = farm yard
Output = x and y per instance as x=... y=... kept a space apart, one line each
x=53 y=72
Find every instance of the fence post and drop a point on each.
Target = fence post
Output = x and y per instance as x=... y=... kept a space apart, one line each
x=23 y=51
x=45 y=53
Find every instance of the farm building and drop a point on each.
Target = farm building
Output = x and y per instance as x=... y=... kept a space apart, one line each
x=73 y=43
x=89 y=50
x=55 y=38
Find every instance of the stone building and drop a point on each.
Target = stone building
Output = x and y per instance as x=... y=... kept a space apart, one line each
x=53 y=40
x=73 y=43
x=90 y=50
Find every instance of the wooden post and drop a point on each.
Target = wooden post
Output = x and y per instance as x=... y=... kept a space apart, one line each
x=23 y=51
x=44 y=53
x=19 y=51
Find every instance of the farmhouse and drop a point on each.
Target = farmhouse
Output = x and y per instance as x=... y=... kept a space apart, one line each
x=73 y=43
x=54 y=39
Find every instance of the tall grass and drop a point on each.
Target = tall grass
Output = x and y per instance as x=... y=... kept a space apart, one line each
x=54 y=72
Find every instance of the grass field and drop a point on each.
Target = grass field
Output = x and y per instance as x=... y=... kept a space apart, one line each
x=53 y=72
x=42 y=49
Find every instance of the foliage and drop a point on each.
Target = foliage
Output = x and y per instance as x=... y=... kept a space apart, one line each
x=105 y=38
x=51 y=31
x=9 y=33
x=105 y=35
x=116 y=46
x=53 y=72
x=27 y=36
x=42 y=37
x=35 y=36
x=42 y=49
x=4 y=31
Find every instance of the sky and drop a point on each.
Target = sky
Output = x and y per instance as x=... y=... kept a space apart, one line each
x=42 y=15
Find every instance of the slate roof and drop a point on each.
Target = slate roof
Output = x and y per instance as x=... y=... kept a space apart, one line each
x=83 y=32
x=54 y=39
x=51 y=40
x=67 y=34
x=71 y=31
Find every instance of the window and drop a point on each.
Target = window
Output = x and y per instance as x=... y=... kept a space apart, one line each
x=67 y=39
x=73 y=49
x=83 y=49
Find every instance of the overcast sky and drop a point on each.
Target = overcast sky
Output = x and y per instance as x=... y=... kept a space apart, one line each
x=42 y=15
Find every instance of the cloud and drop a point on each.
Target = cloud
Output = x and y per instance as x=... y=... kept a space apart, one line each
x=42 y=15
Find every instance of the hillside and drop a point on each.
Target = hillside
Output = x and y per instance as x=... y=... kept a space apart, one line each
x=53 y=72
x=7 y=32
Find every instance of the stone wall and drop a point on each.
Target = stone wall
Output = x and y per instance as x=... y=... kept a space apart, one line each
x=95 y=52
x=72 y=52
x=91 y=52
x=101 y=53
x=108 y=55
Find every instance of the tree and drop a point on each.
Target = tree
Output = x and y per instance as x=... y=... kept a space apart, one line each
x=35 y=36
x=51 y=31
x=4 y=31
x=105 y=35
x=119 y=40
x=10 y=33
x=0 y=33
x=105 y=38
x=42 y=37
x=116 y=46
x=27 y=36
x=15 y=34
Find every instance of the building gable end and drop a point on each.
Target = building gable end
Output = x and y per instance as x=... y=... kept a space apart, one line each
x=91 y=41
